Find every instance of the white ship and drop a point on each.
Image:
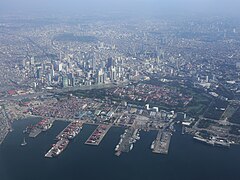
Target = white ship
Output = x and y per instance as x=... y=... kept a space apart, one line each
x=24 y=143
x=153 y=145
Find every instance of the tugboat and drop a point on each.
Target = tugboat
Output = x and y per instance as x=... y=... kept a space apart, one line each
x=24 y=143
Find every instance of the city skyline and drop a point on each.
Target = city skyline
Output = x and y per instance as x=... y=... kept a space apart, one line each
x=119 y=89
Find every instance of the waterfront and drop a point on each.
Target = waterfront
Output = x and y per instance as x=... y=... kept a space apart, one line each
x=187 y=159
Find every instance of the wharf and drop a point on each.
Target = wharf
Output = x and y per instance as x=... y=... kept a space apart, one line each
x=41 y=126
x=71 y=131
x=214 y=141
x=57 y=148
x=128 y=138
x=35 y=132
x=98 y=135
x=162 y=142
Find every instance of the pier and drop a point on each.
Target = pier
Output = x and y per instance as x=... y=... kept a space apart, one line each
x=57 y=148
x=71 y=131
x=35 y=132
x=162 y=142
x=41 y=126
x=98 y=134
x=128 y=138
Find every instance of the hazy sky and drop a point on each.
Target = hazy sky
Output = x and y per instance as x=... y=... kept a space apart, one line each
x=218 y=7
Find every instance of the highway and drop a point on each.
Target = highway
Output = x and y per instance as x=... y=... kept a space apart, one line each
x=56 y=91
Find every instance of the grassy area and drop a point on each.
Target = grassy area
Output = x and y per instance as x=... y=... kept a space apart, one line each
x=235 y=130
x=198 y=105
x=235 y=117
x=231 y=109
x=193 y=110
x=205 y=123
x=216 y=109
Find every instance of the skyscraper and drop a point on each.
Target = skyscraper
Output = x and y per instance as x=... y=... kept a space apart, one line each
x=64 y=81
x=39 y=73
x=100 y=76
x=113 y=73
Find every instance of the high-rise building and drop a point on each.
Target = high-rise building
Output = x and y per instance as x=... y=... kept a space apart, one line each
x=113 y=73
x=24 y=63
x=109 y=63
x=100 y=77
x=49 y=78
x=60 y=67
x=72 y=79
x=52 y=72
x=103 y=64
x=93 y=61
x=39 y=73
x=64 y=81
x=32 y=61
x=207 y=79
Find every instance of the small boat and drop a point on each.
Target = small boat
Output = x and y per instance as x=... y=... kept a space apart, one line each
x=153 y=145
x=131 y=147
x=24 y=143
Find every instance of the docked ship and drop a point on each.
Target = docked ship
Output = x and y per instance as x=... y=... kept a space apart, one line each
x=221 y=142
x=153 y=145
x=57 y=148
x=74 y=132
x=47 y=126
x=71 y=131
x=41 y=126
x=201 y=139
x=131 y=147
x=117 y=148
x=213 y=141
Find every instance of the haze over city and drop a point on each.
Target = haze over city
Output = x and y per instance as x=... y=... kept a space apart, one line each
x=137 y=7
x=131 y=89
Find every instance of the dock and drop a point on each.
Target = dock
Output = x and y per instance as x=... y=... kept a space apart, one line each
x=35 y=132
x=57 y=148
x=41 y=126
x=214 y=141
x=162 y=142
x=64 y=137
x=128 y=138
x=71 y=131
x=98 y=135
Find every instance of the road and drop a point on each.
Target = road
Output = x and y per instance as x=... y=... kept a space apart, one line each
x=56 y=91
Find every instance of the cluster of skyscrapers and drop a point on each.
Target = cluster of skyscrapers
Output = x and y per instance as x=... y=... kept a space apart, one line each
x=69 y=71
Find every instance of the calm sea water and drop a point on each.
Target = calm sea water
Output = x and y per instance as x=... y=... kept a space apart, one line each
x=187 y=159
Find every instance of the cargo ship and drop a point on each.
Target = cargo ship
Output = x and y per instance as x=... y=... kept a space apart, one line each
x=71 y=131
x=201 y=139
x=57 y=148
x=47 y=126
x=214 y=141
x=63 y=139
x=221 y=142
